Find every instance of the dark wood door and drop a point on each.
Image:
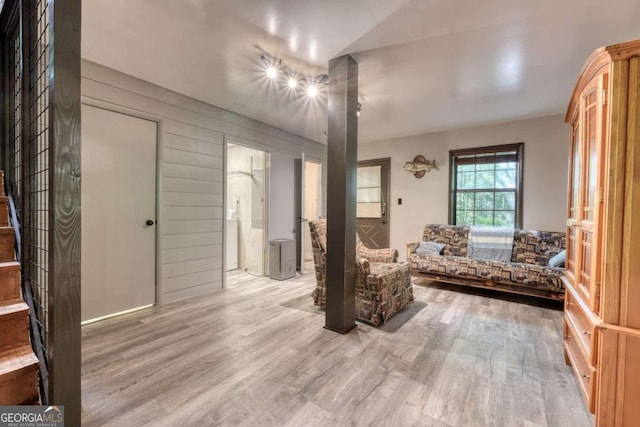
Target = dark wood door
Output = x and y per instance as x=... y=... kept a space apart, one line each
x=372 y=208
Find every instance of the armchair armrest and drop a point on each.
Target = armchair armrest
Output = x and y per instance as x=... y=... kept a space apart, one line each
x=379 y=255
x=411 y=248
x=364 y=268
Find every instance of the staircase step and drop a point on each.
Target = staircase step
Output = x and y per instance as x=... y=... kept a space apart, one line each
x=14 y=324
x=10 y=281
x=7 y=245
x=18 y=376
x=4 y=211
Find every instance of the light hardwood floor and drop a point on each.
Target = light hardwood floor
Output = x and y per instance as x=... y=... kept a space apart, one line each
x=256 y=354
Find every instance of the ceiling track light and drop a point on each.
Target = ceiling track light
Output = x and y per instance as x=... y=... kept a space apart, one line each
x=275 y=70
x=312 y=90
x=272 y=72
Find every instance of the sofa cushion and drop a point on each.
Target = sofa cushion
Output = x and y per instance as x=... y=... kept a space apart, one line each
x=504 y=272
x=451 y=265
x=536 y=247
x=453 y=237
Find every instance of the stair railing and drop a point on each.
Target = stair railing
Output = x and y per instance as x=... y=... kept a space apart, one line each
x=37 y=343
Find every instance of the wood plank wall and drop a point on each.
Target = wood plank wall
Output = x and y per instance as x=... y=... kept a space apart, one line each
x=190 y=172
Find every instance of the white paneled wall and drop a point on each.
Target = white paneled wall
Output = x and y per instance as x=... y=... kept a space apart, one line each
x=190 y=172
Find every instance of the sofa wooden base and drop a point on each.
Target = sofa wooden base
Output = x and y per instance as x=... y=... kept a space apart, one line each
x=488 y=284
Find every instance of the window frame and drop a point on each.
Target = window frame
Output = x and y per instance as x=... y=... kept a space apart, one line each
x=493 y=149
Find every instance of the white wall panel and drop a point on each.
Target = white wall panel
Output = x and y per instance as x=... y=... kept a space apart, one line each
x=190 y=185
x=193 y=266
x=181 y=157
x=192 y=240
x=191 y=226
x=193 y=145
x=172 y=198
x=191 y=176
x=196 y=252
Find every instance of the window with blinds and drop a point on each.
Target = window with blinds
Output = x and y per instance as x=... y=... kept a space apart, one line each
x=486 y=186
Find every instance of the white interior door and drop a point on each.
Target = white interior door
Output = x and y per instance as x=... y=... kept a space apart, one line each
x=118 y=212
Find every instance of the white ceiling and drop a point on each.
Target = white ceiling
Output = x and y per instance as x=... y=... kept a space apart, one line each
x=425 y=65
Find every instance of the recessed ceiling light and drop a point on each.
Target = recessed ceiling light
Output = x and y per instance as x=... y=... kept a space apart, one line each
x=272 y=72
x=312 y=90
x=292 y=82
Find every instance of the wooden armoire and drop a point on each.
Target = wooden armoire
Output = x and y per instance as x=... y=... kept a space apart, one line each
x=602 y=303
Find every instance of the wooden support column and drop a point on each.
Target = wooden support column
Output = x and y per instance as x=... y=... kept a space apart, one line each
x=341 y=194
x=64 y=209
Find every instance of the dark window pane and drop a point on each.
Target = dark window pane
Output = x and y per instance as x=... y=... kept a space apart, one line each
x=483 y=218
x=468 y=218
x=485 y=167
x=506 y=179
x=460 y=201
x=505 y=219
x=485 y=179
x=507 y=165
x=464 y=217
x=464 y=201
x=466 y=181
x=484 y=201
x=460 y=216
x=505 y=201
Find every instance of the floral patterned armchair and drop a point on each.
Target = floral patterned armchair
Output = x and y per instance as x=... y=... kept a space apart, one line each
x=383 y=286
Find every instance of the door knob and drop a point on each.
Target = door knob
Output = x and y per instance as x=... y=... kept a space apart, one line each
x=149 y=222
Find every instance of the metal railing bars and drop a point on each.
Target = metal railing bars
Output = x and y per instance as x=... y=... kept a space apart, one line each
x=36 y=338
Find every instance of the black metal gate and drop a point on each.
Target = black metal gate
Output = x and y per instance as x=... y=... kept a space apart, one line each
x=40 y=151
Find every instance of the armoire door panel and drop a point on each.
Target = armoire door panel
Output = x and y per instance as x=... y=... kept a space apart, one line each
x=573 y=202
x=603 y=231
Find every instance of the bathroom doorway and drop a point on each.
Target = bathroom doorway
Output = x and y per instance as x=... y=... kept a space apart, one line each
x=308 y=204
x=246 y=176
x=312 y=202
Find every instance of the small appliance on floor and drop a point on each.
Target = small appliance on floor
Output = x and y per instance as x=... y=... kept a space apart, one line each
x=282 y=259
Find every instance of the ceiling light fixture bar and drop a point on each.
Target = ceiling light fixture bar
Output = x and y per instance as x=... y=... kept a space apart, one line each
x=275 y=69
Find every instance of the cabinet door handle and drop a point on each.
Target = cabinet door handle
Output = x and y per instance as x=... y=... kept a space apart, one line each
x=585 y=376
x=586 y=333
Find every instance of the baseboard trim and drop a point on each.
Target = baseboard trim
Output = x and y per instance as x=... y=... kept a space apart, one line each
x=120 y=313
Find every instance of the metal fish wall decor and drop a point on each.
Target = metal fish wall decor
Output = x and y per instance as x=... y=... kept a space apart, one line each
x=420 y=166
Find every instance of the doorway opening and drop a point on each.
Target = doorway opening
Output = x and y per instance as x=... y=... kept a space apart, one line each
x=308 y=207
x=246 y=175
x=372 y=205
x=312 y=202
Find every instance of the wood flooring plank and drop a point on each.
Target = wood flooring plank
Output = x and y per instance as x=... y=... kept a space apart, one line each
x=256 y=353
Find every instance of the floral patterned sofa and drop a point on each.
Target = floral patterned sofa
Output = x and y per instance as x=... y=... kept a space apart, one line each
x=383 y=286
x=527 y=273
